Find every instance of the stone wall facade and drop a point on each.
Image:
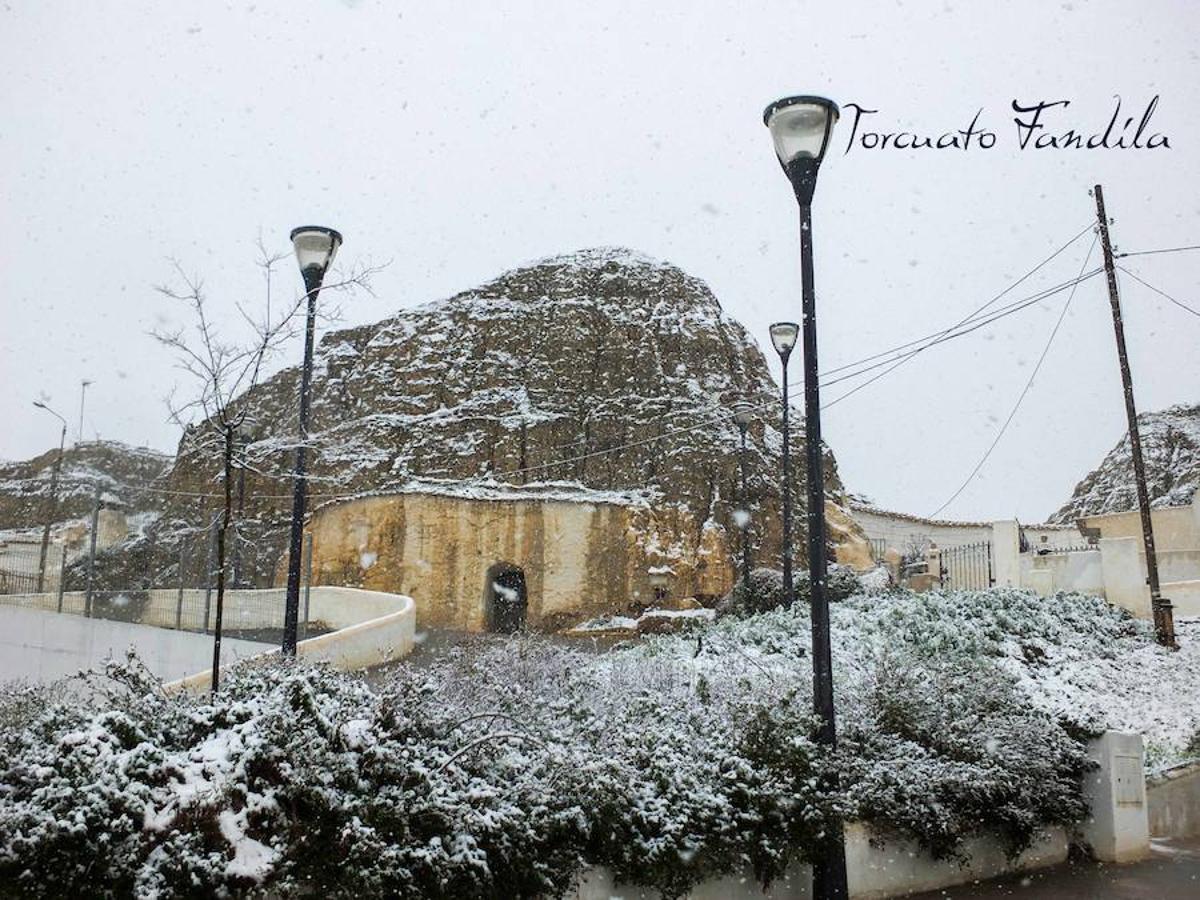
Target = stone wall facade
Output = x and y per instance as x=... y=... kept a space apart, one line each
x=578 y=559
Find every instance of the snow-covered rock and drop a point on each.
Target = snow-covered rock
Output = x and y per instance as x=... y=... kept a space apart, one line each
x=535 y=376
x=1171 y=450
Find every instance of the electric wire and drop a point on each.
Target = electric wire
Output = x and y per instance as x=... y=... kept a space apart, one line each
x=1024 y=392
x=1152 y=252
x=980 y=309
x=905 y=359
x=946 y=336
x=1161 y=293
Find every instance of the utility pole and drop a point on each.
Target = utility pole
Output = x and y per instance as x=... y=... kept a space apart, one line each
x=91 y=563
x=52 y=506
x=1164 y=617
x=83 y=386
x=52 y=509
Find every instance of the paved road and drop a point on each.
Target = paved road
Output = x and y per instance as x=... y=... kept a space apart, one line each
x=1171 y=872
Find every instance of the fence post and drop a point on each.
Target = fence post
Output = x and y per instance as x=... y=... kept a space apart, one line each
x=179 y=597
x=308 y=555
x=934 y=566
x=62 y=575
x=91 y=564
x=208 y=571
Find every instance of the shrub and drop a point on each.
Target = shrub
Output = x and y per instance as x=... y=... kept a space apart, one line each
x=766 y=590
x=504 y=768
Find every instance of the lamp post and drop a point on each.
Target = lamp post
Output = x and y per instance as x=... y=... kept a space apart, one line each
x=800 y=128
x=783 y=338
x=83 y=386
x=52 y=506
x=315 y=248
x=743 y=415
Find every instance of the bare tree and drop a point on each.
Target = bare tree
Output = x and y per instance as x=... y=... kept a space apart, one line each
x=224 y=369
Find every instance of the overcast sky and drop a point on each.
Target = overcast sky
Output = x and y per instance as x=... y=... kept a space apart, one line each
x=460 y=139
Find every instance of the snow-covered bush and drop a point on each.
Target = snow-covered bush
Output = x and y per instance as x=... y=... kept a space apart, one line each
x=938 y=746
x=766 y=590
x=477 y=779
x=504 y=768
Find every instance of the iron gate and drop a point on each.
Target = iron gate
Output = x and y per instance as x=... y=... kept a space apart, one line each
x=967 y=566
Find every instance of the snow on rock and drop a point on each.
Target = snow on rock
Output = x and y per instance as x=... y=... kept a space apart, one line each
x=123 y=473
x=533 y=377
x=1171 y=450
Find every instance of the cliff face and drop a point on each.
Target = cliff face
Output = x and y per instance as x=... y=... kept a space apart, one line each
x=123 y=474
x=1171 y=450
x=601 y=368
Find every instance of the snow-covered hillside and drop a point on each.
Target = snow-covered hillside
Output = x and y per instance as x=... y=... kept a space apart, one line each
x=536 y=376
x=1171 y=448
x=122 y=472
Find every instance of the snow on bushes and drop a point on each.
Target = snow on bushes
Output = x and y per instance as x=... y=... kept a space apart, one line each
x=766 y=589
x=454 y=783
x=503 y=769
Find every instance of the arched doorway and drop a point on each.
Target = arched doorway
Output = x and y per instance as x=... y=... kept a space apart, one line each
x=505 y=599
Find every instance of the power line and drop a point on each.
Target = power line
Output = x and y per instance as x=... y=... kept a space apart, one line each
x=938 y=335
x=978 y=310
x=1028 y=384
x=950 y=334
x=1151 y=252
x=1161 y=293
x=961 y=322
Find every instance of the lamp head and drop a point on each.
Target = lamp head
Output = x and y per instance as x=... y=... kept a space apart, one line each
x=316 y=247
x=800 y=127
x=783 y=337
x=743 y=414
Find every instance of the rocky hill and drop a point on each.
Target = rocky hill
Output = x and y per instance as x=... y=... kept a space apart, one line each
x=123 y=474
x=601 y=368
x=1171 y=449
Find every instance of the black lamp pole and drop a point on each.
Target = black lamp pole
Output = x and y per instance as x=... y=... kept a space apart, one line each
x=783 y=337
x=801 y=127
x=742 y=415
x=315 y=248
x=52 y=506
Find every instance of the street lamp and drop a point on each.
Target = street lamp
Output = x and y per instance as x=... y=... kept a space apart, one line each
x=52 y=506
x=315 y=248
x=800 y=127
x=743 y=415
x=783 y=337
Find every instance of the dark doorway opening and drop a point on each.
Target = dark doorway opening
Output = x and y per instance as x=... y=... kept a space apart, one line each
x=507 y=601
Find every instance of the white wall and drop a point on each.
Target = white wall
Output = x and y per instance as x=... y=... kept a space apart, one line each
x=877 y=866
x=43 y=646
x=1173 y=798
x=899 y=531
x=371 y=628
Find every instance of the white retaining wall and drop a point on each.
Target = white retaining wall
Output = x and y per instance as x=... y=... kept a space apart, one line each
x=372 y=628
x=1173 y=799
x=887 y=868
x=44 y=646
x=880 y=865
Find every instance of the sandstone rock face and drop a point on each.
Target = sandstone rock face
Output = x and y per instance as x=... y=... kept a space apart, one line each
x=601 y=370
x=1171 y=450
x=123 y=473
x=577 y=558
